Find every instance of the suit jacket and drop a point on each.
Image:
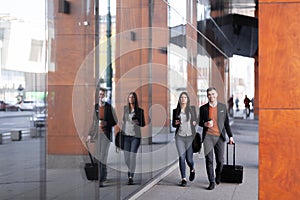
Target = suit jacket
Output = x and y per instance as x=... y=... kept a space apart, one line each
x=139 y=113
x=223 y=120
x=109 y=117
x=193 y=118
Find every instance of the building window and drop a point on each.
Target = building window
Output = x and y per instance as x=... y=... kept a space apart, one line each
x=36 y=50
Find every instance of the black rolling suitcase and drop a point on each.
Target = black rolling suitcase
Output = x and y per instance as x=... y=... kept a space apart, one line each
x=91 y=169
x=232 y=173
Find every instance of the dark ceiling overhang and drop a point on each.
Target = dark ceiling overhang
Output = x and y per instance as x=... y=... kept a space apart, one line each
x=232 y=33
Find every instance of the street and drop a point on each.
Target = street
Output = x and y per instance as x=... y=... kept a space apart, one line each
x=14 y=120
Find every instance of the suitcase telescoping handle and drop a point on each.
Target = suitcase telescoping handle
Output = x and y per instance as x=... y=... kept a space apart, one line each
x=90 y=155
x=233 y=153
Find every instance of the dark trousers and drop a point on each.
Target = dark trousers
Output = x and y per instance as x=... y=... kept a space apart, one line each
x=218 y=149
x=131 y=145
x=102 y=169
x=102 y=154
x=247 y=109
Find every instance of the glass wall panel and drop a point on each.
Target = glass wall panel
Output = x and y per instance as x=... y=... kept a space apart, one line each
x=156 y=49
x=23 y=93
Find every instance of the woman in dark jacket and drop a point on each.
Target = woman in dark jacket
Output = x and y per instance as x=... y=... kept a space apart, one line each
x=133 y=120
x=184 y=119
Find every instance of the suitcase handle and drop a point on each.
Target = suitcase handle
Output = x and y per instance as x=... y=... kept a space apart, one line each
x=90 y=155
x=233 y=153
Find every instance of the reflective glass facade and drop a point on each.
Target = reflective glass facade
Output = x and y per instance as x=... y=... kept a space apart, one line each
x=61 y=56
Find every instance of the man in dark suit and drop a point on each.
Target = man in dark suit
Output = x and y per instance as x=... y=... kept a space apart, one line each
x=213 y=117
x=104 y=119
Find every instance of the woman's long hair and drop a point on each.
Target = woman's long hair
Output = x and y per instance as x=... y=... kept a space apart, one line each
x=187 y=109
x=136 y=102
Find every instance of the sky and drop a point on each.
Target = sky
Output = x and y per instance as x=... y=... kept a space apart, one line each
x=33 y=10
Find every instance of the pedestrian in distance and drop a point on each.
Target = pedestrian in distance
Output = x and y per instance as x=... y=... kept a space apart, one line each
x=252 y=103
x=104 y=118
x=237 y=104
x=213 y=117
x=247 y=102
x=230 y=106
x=184 y=120
x=132 y=121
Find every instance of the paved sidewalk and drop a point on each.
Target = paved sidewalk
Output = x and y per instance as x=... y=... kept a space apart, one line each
x=25 y=174
x=246 y=138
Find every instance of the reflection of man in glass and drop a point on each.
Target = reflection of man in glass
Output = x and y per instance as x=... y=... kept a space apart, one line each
x=103 y=121
x=213 y=117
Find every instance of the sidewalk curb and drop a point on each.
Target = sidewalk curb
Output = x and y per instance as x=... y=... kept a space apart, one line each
x=154 y=181
x=11 y=115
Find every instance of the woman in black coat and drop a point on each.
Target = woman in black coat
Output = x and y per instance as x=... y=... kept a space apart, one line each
x=184 y=119
x=133 y=120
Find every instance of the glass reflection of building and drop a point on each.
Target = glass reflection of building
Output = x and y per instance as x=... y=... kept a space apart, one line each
x=22 y=51
x=157 y=48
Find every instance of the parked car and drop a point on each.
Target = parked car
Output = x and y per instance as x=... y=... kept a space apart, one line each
x=39 y=118
x=2 y=105
x=27 y=105
x=12 y=106
x=40 y=105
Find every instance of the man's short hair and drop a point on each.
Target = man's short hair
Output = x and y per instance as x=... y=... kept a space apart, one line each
x=210 y=89
x=102 y=89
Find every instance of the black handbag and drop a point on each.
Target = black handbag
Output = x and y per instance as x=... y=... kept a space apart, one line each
x=196 y=145
x=232 y=173
x=119 y=140
x=91 y=169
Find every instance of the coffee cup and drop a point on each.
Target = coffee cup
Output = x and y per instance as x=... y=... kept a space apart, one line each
x=210 y=123
x=102 y=123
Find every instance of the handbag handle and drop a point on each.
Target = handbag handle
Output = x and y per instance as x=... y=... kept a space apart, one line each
x=233 y=153
x=90 y=155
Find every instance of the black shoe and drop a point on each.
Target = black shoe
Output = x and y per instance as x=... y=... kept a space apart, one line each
x=218 y=178
x=192 y=175
x=183 y=183
x=211 y=186
x=130 y=181
x=101 y=184
x=103 y=180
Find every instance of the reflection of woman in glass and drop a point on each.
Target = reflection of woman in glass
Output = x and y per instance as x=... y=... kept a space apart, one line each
x=184 y=119
x=133 y=120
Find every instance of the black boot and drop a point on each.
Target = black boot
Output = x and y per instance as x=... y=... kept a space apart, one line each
x=211 y=186
x=130 y=181
x=218 y=178
x=183 y=183
x=192 y=175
